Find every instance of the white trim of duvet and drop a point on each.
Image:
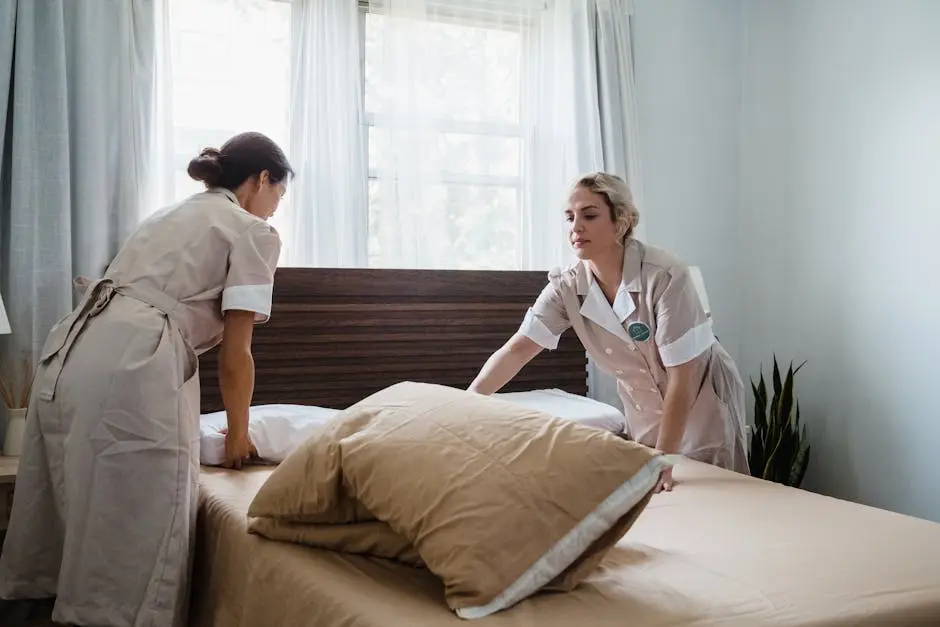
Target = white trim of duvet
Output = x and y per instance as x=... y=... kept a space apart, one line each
x=256 y=298
x=693 y=343
x=535 y=330
x=576 y=541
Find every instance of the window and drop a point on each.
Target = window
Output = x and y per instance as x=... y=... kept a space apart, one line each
x=230 y=68
x=471 y=90
x=230 y=64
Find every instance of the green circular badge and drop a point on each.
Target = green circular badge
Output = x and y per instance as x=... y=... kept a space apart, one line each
x=639 y=331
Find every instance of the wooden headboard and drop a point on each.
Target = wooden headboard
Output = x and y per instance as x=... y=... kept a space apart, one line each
x=338 y=335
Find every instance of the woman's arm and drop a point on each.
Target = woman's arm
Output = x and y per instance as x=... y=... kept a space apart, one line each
x=504 y=364
x=680 y=393
x=237 y=376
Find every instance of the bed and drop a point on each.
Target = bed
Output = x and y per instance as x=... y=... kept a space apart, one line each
x=722 y=550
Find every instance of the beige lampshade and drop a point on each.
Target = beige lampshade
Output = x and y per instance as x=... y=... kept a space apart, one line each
x=4 y=321
x=699 y=283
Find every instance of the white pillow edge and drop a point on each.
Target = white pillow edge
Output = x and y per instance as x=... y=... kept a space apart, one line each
x=575 y=542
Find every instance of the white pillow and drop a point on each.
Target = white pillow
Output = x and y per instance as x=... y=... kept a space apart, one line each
x=275 y=430
x=580 y=409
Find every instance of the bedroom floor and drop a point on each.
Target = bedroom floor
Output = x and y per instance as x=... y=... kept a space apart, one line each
x=26 y=614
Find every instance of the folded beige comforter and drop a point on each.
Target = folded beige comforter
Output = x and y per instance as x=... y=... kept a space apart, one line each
x=497 y=500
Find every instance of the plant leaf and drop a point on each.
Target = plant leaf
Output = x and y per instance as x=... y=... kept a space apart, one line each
x=789 y=447
x=800 y=464
x=777 y=385
x=760 y=409
x=755 y=459
x=768 y=470
x=783 y=415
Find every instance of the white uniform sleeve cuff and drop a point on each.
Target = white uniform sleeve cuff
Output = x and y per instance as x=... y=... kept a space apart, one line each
x=693 y=343
x=535 y=330
x=256 y=298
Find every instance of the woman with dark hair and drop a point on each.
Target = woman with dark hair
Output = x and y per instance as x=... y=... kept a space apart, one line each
x=106 y=496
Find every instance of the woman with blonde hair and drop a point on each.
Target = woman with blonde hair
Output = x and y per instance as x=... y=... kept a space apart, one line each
x=639 y=316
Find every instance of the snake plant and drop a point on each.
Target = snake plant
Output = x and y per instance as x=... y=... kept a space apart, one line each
x=779 y=446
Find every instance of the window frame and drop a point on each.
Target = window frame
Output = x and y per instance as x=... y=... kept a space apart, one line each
x=481 y=129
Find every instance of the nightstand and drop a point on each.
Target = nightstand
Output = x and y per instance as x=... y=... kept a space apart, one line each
x=8 y=468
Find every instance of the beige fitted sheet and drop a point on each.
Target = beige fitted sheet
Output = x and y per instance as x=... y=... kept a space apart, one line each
x=721 y=550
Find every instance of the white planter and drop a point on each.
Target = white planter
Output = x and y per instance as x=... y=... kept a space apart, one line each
x=16 y=428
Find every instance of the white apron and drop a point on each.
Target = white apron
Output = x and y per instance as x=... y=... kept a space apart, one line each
x=115 y=405
x=106 y=495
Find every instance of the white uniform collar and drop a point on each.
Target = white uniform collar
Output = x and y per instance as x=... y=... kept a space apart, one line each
x=595 y=306
x=225 y=192
x=633 y=254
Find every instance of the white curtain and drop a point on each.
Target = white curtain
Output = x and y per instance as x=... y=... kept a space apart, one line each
x=159 y=184
x=579 y=112
x=75 y=158
x=580 y=115
x=616 y=88
x=327 y=223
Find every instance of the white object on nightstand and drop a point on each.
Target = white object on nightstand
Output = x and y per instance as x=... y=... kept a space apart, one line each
x=16 y=418
x=16 y=429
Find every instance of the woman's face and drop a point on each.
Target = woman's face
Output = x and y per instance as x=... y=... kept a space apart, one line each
x=591 y=232
x=265 y=196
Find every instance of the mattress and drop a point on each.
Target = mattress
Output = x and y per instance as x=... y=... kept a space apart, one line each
x=722 y=550
x=276 y=430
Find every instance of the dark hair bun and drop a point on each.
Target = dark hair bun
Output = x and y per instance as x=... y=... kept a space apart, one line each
x=242 y=157
x=207 y=167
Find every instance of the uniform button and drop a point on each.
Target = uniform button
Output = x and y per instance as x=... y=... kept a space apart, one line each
x=644 y=371
x=608 y=350
x=629 y=389
x=633 y=347
x=620 y=372
x=638 y=408
x=654 y=389
x=659 y=412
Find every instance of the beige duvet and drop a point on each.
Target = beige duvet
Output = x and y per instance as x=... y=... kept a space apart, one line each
x=496 y=500
x=722 y=550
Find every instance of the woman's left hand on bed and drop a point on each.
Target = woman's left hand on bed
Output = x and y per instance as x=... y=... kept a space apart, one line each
x=238 y=450
x=666 y=482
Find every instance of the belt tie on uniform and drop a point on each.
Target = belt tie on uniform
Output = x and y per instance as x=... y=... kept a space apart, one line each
x=96 y=299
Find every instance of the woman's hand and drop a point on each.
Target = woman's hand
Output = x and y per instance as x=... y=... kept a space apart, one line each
x=666 y=482
x=238 y=450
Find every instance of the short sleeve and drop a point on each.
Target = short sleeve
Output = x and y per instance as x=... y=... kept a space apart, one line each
x=546 y=320
x=249 y=284
x=683 y=331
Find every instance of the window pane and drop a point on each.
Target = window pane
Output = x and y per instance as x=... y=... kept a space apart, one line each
x=443 y=100
x=468 y=73
x=485 y=226
x=481 y=229
x=452 y=153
